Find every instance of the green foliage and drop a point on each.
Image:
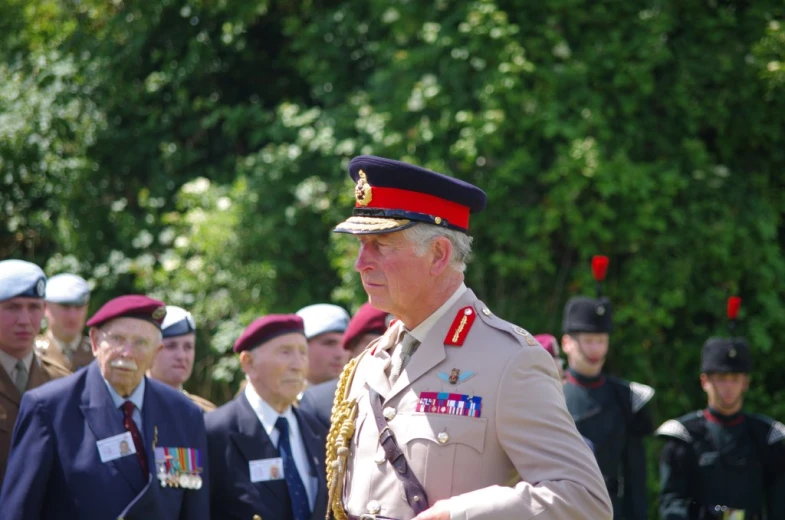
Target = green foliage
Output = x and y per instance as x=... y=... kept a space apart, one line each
x=197 y=151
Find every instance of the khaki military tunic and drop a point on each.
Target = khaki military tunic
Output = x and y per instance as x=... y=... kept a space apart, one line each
x=201 y=402
x=523 y=430
x=48 y=347
x=41 y=371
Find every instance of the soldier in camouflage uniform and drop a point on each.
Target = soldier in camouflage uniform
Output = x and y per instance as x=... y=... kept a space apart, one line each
x=721 y=462
x=610 y=412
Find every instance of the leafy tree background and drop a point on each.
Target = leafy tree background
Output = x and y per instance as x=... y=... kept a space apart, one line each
x=197 y=151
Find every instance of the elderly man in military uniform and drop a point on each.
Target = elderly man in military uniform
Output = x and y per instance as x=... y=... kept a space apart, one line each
x=722 y=462
x=435 y=416
x=107 y=442
x=22 y=287
x=67 y=296
x=174 y=363
x=610 y=412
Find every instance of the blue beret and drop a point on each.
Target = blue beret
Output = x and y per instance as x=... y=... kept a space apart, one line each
x=131 y=306
x=67 y=289
x=323 y=317
x=393 y=195
x=177 y=322
x=264 y=329
x=20 y=278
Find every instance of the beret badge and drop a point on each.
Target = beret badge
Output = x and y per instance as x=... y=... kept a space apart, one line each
x=40 y=288
x=159 y=313
x=363 y=192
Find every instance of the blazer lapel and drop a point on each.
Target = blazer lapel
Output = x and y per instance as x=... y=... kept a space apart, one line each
x=377 y=361
x=152 y=411
x=99 y=412
x=253 y=442
x=38 y=375
x=314 y=446
x=8 y=389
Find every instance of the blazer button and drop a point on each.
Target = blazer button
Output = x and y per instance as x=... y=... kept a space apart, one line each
x=257 y=517
x=389 y=413
x=374 y=507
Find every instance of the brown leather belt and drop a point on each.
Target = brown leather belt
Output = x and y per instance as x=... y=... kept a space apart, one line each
x=415 y=493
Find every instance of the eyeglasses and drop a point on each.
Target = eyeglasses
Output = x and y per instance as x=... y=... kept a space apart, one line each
x=138 y=343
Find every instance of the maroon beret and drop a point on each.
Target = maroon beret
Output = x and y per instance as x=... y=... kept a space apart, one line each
x=266 y=328
x=549 y=343
x=368 y=319
x=131 y=306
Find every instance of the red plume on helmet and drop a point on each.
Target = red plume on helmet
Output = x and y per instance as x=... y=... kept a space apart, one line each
x=599 y=267
x=734 y=304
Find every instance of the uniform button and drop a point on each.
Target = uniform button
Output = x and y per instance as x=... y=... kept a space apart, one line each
x=416 y=498
x=374 y=507
x=443 y=437
x=389 y=413
x=486 y=311
x=257 y=517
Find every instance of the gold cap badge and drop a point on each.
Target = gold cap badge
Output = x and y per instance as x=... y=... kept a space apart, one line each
x=159 y=313
x=363 y=192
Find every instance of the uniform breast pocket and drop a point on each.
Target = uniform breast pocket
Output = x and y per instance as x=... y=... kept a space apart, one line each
x=441 y=449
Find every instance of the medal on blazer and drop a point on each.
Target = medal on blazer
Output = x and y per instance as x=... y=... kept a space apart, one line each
x=446 y=403
x=179 y=467
x=460 y=327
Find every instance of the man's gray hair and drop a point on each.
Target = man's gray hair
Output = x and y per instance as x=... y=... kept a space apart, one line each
x=423 y=234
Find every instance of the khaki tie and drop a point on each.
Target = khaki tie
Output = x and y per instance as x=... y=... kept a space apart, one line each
x=20 y=381
x=401 y=356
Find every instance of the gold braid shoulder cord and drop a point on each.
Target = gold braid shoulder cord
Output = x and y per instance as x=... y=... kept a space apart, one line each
x=341 y=431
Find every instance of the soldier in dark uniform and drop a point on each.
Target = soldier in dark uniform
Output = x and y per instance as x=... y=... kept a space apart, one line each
x=721 y=462
x=610 y=412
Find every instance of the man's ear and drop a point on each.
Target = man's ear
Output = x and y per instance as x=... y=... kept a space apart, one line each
x=245 y=360
x=94 y=339
x=441 y=249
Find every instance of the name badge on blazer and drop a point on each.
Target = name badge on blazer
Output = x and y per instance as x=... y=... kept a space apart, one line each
x=115 y=447
x=262 y=470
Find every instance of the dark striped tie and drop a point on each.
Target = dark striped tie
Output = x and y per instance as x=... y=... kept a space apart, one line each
x=130 y=425
x=297 y=494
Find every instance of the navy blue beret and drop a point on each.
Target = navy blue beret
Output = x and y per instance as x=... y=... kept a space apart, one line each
x=20 y=278
x=177 y=322
x=393 y=195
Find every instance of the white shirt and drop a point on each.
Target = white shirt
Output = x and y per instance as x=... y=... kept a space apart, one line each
x=267 y=417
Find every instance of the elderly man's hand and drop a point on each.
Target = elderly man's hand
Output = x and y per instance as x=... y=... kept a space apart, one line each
x=438 y=511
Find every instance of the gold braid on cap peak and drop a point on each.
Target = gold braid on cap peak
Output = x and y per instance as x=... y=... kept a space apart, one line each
x=341 y=432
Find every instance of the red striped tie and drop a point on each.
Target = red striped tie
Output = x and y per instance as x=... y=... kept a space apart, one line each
x=130 y=425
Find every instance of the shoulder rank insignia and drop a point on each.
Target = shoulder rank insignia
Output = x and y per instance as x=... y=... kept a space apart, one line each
x=456 y=376
x=460 y=327
x=523 y=332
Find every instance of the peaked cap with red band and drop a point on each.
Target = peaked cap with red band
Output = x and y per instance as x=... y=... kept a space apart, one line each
x=130 y=306
x=264 y=329
x=393 y=195
x=367 y=320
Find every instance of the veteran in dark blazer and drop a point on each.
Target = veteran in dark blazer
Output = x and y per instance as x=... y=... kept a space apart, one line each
x=452 y=403
x=266 y=456
x=106 y=442
x=22 y=288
